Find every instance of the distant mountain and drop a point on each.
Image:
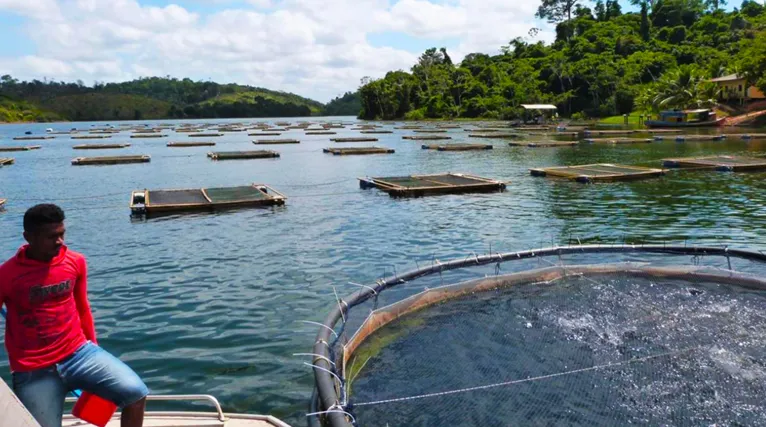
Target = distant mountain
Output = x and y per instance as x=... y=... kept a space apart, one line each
x=145 y=98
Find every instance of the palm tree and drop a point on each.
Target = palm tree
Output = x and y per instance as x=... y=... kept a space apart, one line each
x=683 y=88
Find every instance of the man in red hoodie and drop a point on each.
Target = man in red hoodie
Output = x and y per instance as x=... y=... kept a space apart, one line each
x=49 y=332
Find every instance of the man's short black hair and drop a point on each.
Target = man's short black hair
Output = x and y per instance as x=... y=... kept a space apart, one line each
x=41 y=215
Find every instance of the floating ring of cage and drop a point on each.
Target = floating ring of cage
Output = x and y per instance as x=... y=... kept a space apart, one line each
x=576 y=335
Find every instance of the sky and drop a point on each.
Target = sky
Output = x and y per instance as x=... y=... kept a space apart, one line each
x=315 y=48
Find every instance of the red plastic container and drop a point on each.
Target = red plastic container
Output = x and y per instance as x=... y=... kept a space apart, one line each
x=94 y=409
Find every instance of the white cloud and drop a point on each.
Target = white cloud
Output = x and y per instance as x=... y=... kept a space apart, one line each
x=316 y=48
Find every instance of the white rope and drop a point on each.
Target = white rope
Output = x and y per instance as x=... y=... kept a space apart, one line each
x=538 y=378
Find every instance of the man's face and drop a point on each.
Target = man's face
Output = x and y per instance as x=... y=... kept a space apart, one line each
x=47 y=239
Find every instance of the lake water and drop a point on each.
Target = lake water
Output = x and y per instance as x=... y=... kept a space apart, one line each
x=211 y=303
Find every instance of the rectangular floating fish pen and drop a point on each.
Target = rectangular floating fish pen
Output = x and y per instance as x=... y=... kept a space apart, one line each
x=165 y=201
x=608 y=132
x=619 y=140
x=541 y=144
x=422 y=185
x=458 y=147
x=264 y=134
x=91 y=136
x=275 y=141
x=430 y=130
x=427 y=138
x=485 y=130
x=750 y=136
x=354 y=139
x=32 y=138
x=4 y=161
x=205 y=135
x=321 y=133
x=372 y=132
x=598 y=172
x=99 y=146
x=111 y=160
x=719 y=163
x=242 y=155
x=658 y=131
x=684 y=138
x=149 y=135
x=348 y=151
x=191 y=144
x=20 y=148
x=496 y=135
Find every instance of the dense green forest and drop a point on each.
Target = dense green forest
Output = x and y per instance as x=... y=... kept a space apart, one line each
x=146 y=98
x=603 y=62
x=350 y=104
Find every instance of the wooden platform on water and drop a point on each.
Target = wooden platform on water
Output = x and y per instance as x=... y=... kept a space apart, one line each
x=619 y=140
x=32 y=138
x=99 y=146
x=321 y=133
x=719 y=163
x=750 y=136
x=659 y=131
x=111 y=160
x=163 y=201
x=430 y=130
x=5 y=161
x=275 y=141
x=19 y=148
x=191 y=144
x=205 y=135
x=373 y=132
x=243 y=155
x=347 y=151
x=354 y=139
x=423 y=185
x=591 y=132
x=598 y=172
x=690 y=138
x=91 y=136
x=541 y=144
x=497 y=135
x=149 y=135
x=264 y=134
x=458 y=147
x=485 y=130
x=427 y=138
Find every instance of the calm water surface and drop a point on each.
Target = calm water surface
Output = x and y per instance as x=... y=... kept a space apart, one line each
x=210 y=303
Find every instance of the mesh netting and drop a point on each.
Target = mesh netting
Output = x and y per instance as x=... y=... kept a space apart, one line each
x=235 y=194
x=177 y=197
x=612 y=351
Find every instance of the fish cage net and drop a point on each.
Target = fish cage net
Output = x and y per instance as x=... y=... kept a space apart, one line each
x=603 y=338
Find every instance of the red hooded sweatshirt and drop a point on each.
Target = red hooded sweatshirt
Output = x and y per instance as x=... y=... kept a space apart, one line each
x=49 y=315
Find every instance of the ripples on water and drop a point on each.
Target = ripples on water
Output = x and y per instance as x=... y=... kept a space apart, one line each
x=208 y=303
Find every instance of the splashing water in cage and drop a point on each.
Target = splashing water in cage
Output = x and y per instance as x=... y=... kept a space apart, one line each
x=576 y=335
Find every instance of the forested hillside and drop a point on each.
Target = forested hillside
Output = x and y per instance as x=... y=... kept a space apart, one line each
x=603 y=62
x=347 y=105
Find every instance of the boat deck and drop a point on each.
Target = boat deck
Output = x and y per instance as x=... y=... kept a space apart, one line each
x=186 y=419
x=598 y=172
x=720 y=163
x=422 y=185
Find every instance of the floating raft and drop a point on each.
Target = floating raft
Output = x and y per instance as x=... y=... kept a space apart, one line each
x=148 y=135
x=534 y=128
x=321 y=133
x=264 y=134
x=99 y=146
x=19 y=148
x=430 y=130
x=346 y=151
x=376 y=131
x=656 y=131
x=205 y=135
x=684 y=138
x=4 y=161
x=485 y=130
x=275 y=141
x=159 y=201
x=544 y=144
x=720 y=163
x=496 y=135
x=750 y=136
x=598 y=172
x=32 y=138
x=112 y=160
x=2 y=203
x=354 y=139
x=242 y=155
x=427 y=138
x=458 y=147
x=608 y=132
x=421 y=185
x=619 y=140
x=91 y=136
x=409 y=127
x=191 y=144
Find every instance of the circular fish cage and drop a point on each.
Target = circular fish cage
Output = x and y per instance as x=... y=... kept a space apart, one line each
x=575 y=335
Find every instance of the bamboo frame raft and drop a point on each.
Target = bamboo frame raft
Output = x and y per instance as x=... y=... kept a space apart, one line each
x=598 y=172
x=91 y=136
x=427 y=138
x=542 y=144
x=422 y=185
x=111 y=160
x=347 y=151
x=619 y=140
x=458 y=147
x=275 y=141
x=719 y=163
x=354 y=139
x=99 y=146
x=243 y=155
x=6 y=161
x=191 y=144
x=166 y=201
x=205 y=135
x=32 y=138
x=149 y=135
x=19 y=148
